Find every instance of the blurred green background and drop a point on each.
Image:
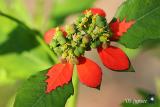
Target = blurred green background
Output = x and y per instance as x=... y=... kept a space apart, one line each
x=21 y=54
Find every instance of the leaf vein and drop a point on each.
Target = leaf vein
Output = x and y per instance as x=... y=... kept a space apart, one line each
x=140 y=18
x=38 y=99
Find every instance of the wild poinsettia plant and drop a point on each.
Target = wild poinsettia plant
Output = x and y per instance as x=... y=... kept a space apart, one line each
x=56 y=85
x=90 y=31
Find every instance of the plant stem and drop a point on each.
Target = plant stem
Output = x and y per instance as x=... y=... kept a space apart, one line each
x=48 y=50
x=73 y=99
x=158 y=86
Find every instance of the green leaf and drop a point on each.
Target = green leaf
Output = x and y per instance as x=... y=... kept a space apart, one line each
x=146 y=13
x=20 y=51
x=144 y=94
x=32 y=93
x=19 y=40
x=63 y=8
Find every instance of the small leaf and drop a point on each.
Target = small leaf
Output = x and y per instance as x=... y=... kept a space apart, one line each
x=32 y=93
x=147 y=24
x=59 y=75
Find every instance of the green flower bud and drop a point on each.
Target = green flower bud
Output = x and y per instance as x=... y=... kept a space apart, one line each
x=58 y=51
x=83 y=45
x=64 y=55
x=64 y=47
x=53 y=43
x=103 y=38
x=76 y=52
x=94 y=19
x=100 y=21
x=79 y=51
x=79 y=20
x=76 y=38
x=73 y=43
x=96 y=30
x=95 y=44
x=70 y=29
x=84 y=20
x=85 y=39
x=94 y=36
x=60 y=38
x=70 y=52
x=91 y=28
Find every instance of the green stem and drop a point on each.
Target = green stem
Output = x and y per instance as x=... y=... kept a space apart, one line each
x=158 y=86
x=13 y=19
x=73 y=99
x=48 y=50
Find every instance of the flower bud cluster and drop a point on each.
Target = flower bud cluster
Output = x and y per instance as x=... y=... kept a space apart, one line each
x=89 y=31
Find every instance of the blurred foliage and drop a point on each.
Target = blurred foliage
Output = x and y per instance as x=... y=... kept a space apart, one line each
x=64 y=8
x=7 y=93
x=153 y=46
x=145 y=96
x=19 y=51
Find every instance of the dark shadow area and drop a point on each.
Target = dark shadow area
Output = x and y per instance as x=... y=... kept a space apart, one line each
x=20 y=39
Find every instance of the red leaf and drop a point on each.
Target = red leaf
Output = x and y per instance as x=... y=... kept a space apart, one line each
x=59 y=75
x=50 y=34
x=114 y=58
x=89 y=72
x=118 y=28
x=96 y=11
